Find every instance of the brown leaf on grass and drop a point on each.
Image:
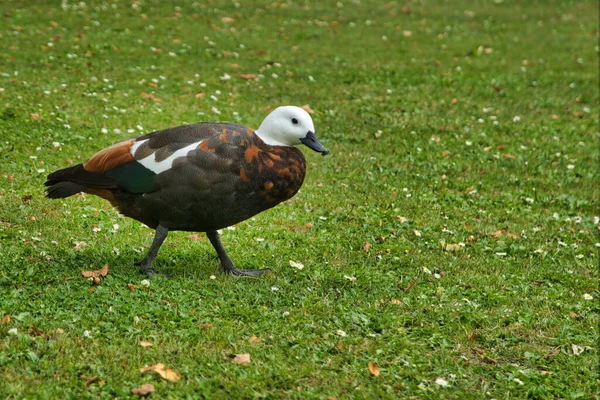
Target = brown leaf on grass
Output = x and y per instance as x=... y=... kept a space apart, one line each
x=131 y=286
x=195 y=236
x=102 y=272
x=397 y=302
x=538 y=282
x=577 y=350
x=205 y=326
x=248 y=77
x=33 y=332
x=401 y=219
x=509 y=156
x=80 y=245
x=254 y=339
x=499 y=232
x=165 y=373
x=469 y=189
x=544 y=372
x=60 y=331
x=145 y=344
x=145 y=390
x=35 y=116
x=26 y=198
x=571 y=314
x=227 y=20
x=241 y=359
x=200 y=95
x=473 y=336
x=307 y=108
x=373 y=369
x=411 y=284
x=5 y=319
x=366 y=247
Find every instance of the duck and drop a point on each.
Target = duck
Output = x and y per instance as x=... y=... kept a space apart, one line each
x=200 y=177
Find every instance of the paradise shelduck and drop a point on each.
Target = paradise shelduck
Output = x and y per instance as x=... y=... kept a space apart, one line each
x=201 y=177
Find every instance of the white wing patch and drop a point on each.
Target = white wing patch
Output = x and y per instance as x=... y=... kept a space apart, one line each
x=158 y=167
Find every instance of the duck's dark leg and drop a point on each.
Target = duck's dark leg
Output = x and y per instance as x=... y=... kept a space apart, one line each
x=227 y=266
x=146 y=263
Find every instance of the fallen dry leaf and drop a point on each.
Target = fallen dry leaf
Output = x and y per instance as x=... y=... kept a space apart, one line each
x=227 y=20
x=5 y=319
x=577 y=350
x=366 y=246
x=200 y=95
x=145 y=344
x=401 y=219
x=195 y=236
x=397 y=302
x=241 y=359
x=145 y=390
x=307 y=108
x=497 y=233
x=131 y=286
x=80 y=245
x=248 y=76
x=26 y=198
x=573 y=315
x=59 y=331
x=450 y=247
x=255 y=339
x=205 y=326
x=165 y=373
x=102 y=272
x=509 y=156
x=544 y=372
x=373 y=369
x=35 y=116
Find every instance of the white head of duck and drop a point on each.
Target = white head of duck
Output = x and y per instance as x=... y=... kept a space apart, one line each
x=290 y=126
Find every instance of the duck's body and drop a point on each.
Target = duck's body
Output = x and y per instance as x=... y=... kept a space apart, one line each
x=200 y=177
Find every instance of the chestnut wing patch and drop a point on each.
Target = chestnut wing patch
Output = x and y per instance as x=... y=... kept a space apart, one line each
x=110 y=157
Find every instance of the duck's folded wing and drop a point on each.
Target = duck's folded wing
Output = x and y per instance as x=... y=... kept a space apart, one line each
x=132 y=164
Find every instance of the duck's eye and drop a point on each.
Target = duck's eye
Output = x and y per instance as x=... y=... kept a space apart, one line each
x=294 y=121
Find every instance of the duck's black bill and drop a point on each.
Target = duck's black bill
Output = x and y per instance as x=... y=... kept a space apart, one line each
x=312 y=142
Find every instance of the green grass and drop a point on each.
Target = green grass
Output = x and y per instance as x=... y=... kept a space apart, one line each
x=464 y=117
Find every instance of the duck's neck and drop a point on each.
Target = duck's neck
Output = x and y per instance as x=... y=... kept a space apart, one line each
x=268 y=139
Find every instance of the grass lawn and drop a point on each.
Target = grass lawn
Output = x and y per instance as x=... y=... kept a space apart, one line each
x=450 y=239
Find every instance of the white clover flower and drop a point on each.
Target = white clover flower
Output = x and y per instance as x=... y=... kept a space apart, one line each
x=145 y=283
x=516 y=118
x=13 y=331
x=588 y=296
x=518 y=381
x=341 y=333
x=212 y=277
x=417 y=232
x=87 y=334
x=296 y=265
x=427 y=270
x=350 y=278
x=274 y=288
x=442 y=382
